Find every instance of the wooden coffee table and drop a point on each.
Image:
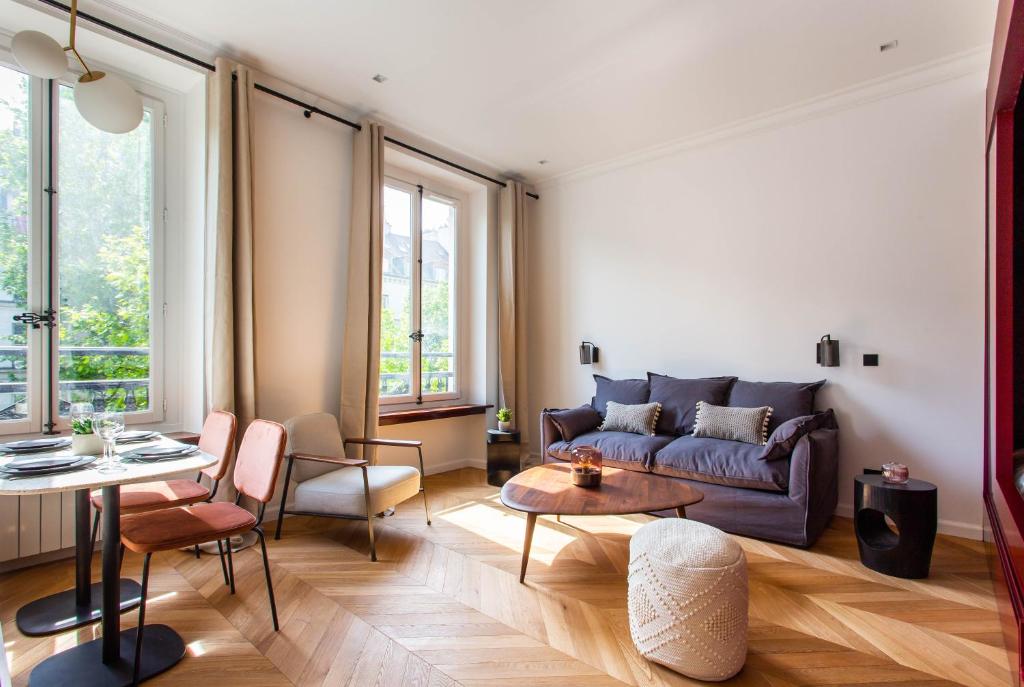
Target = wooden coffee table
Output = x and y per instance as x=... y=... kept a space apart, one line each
x=547 y=490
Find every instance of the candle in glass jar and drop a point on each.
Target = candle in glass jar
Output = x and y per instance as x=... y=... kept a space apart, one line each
x=895 y=473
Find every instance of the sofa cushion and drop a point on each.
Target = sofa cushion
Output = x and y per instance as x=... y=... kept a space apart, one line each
x=719 y=461
x=575 y=421
x=637 y=419
x=749 y=425
x=618 y=449
x=679 y=397
x=625 y=391
x=783 y=440
x=787 y=399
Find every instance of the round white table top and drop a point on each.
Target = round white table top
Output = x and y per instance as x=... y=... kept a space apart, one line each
x=92 y=478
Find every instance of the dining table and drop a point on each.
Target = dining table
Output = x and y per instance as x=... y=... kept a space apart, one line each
x=107 y=661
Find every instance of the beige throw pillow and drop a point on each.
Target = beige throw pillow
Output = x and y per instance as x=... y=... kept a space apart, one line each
x=749 y=425
x=638 y=419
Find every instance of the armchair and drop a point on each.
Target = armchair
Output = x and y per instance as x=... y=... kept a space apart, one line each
x=330 y=484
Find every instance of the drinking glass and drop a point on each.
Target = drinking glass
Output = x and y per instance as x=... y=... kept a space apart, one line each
x=108 y=426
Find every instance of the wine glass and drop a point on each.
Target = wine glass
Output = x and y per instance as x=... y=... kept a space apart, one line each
x=108 y=426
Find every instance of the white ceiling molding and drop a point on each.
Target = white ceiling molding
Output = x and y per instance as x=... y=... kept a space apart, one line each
x=975 y=61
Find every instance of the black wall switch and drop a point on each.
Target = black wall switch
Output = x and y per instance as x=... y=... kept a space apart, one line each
x=870 y=360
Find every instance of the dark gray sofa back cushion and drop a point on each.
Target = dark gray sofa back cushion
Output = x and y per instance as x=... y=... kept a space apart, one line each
x=787 y=399
x=679 y=397
x=625 y=391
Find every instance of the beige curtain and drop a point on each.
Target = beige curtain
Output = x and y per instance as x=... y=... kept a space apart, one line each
x=231 y=375
x=512 y=308
x=360 y=367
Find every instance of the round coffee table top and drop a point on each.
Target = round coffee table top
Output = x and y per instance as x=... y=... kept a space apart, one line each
x=548 y=490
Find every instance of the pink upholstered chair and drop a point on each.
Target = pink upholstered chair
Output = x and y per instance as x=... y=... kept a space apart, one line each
x=255 y=476
x=217 y=438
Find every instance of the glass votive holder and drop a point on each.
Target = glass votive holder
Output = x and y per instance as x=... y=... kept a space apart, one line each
x=586 y=466
x=895 y=473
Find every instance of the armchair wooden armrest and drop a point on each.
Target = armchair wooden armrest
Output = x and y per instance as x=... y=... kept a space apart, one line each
x=385 y=442
x=350 y=462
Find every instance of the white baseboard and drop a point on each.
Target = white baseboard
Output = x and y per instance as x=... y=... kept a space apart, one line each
x=953 y=528
x=457 y=464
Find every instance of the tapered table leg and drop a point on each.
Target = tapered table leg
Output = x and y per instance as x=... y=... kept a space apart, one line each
x=680 y=511
x=531 y=521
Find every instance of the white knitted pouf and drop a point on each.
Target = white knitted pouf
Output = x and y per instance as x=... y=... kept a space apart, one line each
x=688 y=598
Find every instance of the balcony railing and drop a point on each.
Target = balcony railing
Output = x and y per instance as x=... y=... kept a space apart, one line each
x=433 y=382
x=128 y=394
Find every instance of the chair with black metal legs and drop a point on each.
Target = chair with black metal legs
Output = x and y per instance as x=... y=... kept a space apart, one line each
x=255 y=476
x=218 y=439
x=329 y=484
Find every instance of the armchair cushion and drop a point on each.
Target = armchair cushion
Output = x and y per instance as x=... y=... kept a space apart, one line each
x=316 y=434
x=341 y=492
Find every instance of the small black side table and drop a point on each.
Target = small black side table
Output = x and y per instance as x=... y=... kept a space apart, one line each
x=913 y=507
x=502 y=456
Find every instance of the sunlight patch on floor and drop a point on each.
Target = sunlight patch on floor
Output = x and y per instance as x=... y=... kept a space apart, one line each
x=501 y=526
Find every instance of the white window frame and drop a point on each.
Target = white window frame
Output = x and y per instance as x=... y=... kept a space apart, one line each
x=38 y=375
x=413 y=184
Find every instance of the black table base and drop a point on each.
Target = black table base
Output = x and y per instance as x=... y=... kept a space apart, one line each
x=913 y=507
x=83 y=665
x=503 y=457
x=59 y=612
x=83 y=604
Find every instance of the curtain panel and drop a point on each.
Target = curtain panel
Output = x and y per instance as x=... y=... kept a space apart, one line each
x=230 y=359
x=512 y=307
x=360 y=373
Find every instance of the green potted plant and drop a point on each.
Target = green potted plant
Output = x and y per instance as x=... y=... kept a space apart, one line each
x=83 y=441
x=504 y=416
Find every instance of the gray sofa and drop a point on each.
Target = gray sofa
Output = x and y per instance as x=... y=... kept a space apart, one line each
x=789 y=498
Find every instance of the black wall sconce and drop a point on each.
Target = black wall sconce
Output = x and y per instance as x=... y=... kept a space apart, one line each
x=588 y=353
x=828 y=351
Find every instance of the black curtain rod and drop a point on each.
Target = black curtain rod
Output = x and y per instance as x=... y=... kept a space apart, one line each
x=308 y=109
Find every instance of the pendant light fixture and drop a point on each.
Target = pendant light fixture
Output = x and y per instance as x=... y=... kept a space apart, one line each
x=103 y=100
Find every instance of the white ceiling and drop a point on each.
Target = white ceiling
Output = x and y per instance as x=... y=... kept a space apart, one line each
x=575 y=82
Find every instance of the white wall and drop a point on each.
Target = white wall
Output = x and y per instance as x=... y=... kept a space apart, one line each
x=734 y=257
x=303 y=188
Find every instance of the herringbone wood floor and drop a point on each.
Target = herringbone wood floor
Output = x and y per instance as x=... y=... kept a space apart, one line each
x=443 y=607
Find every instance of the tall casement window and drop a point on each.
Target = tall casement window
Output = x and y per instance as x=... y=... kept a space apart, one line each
x=80 y=296
x=418 y=341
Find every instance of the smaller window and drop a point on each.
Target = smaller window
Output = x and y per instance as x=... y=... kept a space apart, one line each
x=418 y=304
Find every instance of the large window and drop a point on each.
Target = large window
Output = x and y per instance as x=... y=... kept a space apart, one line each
x=78 y=240
x=418 y=325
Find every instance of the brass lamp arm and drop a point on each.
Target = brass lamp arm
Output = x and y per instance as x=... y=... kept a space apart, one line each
x=71 y=39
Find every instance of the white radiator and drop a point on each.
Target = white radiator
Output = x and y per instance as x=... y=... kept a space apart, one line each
x=31 y=525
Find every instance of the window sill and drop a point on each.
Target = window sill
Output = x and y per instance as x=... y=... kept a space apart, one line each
x=399 y=417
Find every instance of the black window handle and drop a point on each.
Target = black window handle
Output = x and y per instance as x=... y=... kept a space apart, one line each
x=48 y=318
